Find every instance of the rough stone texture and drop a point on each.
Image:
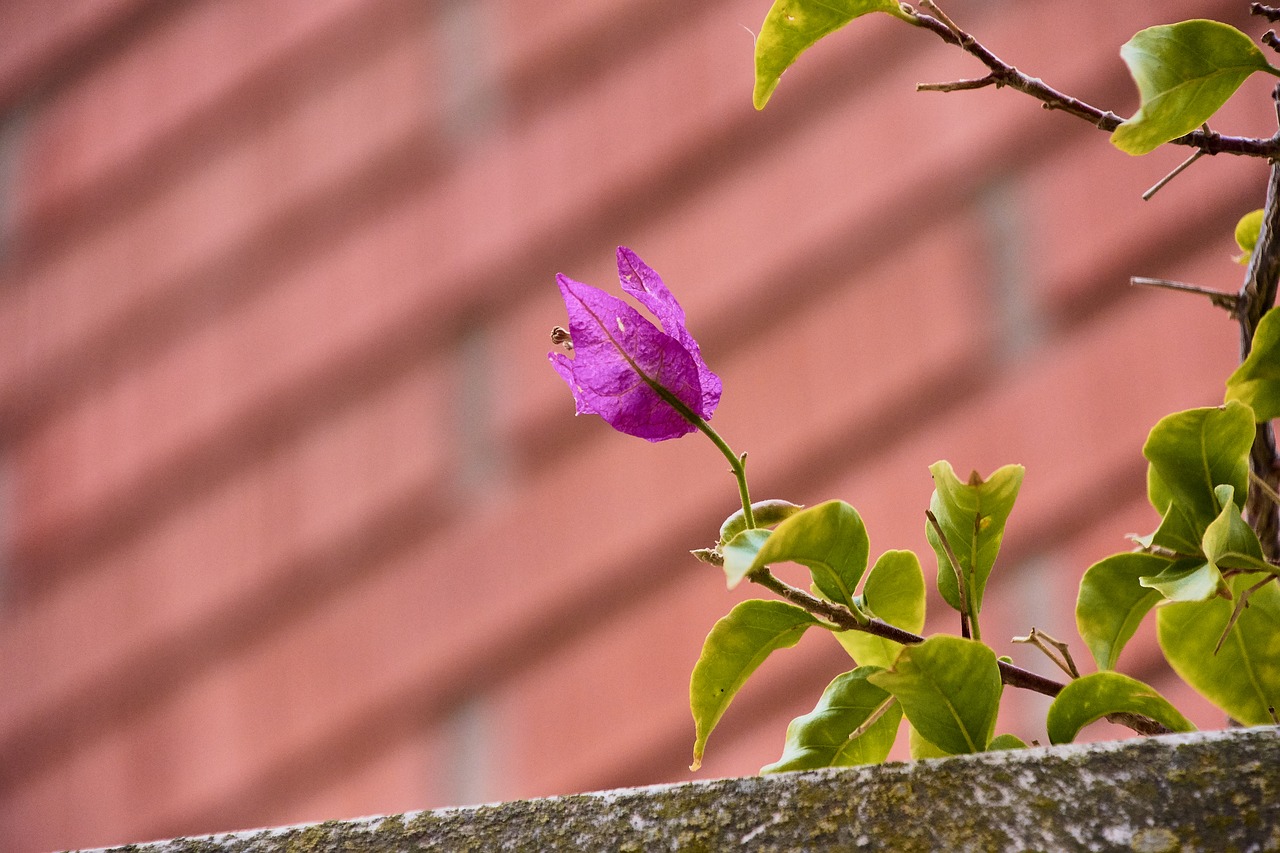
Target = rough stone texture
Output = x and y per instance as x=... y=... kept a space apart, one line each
x=1214 y=791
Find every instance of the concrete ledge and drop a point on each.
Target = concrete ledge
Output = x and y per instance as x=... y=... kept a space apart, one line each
x=1208 y=791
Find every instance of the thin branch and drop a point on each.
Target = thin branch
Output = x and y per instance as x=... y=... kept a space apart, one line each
x=1241 y=603
x=958 y=85
x=873 y=719
x=961 y=584
x=1004 y=74
x=1265 y=488
x=1270 y=40
x=1182 y=167
x=843 y=619
x=1220 y=298
x=955 y=31
x=1045 y=643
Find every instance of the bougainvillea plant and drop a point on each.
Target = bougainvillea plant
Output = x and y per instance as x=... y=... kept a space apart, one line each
x=1208 y=570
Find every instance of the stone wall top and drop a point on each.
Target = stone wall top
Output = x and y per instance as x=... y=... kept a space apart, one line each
x=1211 y=791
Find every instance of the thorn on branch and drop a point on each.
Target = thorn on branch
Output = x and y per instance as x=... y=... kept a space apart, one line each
x=1182 y=167
x=1241 y=603
x=1221 y=298
x=961 y=85
x=1044 y=643
x=1271 y=13
x=960 y=35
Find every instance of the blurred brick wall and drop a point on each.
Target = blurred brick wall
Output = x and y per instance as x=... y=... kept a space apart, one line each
x=296 y=520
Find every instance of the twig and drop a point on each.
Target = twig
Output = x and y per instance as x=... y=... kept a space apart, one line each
x=955 y=567
x=959 y=85
x=1182 y=167
x=1044 y=643
x=1004 y=74
x=1270 y=40
x=1241 y=603
x=1220 y=298
x=1264 y=487
x=871 y=720
x=959 y=34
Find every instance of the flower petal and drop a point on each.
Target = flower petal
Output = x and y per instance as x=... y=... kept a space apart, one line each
x=612 y=345
x=642 y=282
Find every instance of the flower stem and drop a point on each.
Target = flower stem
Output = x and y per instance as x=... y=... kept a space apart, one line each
x=737 y=463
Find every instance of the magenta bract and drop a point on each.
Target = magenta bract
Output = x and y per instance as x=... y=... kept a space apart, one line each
x=618 y=355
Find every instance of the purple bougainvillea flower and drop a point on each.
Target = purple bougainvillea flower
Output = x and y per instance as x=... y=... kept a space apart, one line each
x=619 y=355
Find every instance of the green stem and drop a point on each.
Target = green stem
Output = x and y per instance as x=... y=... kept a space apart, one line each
x=737 y=463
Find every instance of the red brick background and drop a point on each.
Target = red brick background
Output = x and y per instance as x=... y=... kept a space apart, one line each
x=297 y=522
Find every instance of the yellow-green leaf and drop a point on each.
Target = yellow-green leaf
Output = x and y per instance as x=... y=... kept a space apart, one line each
x=1006 y=742
x=1243 y=677
x=792 y=26
x=972 y=514
x=1196 y=451
x=828 y=539
x=1256 y=382
x=843 y=729
x=949 y=689
x=1112 y=603
x=736 y=646
x=1247 y=231
x=893 y=592
x=921 y=748
x=740 y=553
x=1184 y=72
x=1093 y=697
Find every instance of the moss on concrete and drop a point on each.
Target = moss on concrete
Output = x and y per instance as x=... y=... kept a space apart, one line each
x=1216 y=791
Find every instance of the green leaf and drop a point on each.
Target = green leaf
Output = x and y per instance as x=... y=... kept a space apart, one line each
x=894 y=593
x=740 y=554
x=1178 y=532
x=1247 y=231
x=1186 y=580
x=921 y=748
x=792 y=26
x=1112 y=603
x=1243 y=677
x=1088 y=699
x=972 y=515
x=837 y=732
x=736 y=646
x=949 y=689
x=1256 y=382
x=1184 y=72
x=1229 y=542
x=1006 y=741
x=1195 y=451
x=828 y=539
x=765 y=513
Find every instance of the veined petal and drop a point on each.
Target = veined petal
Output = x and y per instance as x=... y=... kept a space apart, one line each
x=613 y=345
x=643 y=282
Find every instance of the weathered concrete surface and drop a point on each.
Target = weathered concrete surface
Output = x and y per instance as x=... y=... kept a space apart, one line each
x=1215 y=791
